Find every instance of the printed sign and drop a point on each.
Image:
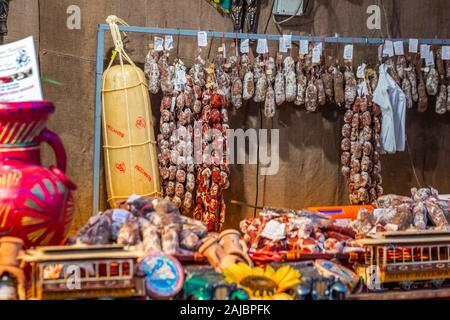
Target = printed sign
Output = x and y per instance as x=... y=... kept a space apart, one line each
x=19 y=72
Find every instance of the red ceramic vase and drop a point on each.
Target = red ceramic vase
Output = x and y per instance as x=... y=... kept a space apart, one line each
x=35 y=202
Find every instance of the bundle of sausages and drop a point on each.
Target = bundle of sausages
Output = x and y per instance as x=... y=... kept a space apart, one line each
x=274 y=231
x=212 y=171
x=361 y=151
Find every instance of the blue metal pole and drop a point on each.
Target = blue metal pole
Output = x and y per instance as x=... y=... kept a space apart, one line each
x=272 y=37
x=98 y=121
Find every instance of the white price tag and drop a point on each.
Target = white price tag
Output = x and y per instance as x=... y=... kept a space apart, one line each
x=388 y=48
x=445 y=53
x=168 y=42
x=413 y=45
x=282 y=45
x=262 y=47
x=429 y=61
x=398 y=48
x=348 y=52
x=274 y=230
x=316 y=54
x=202 y=38
x=424 y=51
x=380 y=52
x=320 y=46
x=245 y=46
x=303 y=47
x=287 y=40
x=181 y=77
x=360 y=73
x=224 y=50
x=159 y=44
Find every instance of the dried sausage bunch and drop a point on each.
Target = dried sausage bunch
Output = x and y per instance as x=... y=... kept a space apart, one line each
x=151 y=69
x=175 y=141
x=198 y=75
x=361 y=151
x=260 y=79
x=212 y=170
x=236 y=81
x=270 y=100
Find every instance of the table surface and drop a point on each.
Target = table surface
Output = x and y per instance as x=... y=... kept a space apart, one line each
x=423 y=294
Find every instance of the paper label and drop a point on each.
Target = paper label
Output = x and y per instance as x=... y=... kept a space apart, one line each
x=245 y=46
x=429 y=61
x=174 y=103
x=303 y=47
x=413 y=45
x=274 y=230
x=424 y=51
x=388 y=48
x=168 y=42
x=380 y=52
x=181 y=77
x=287 y=40
x=398 y=48
x=348 y=52
x=159 y=44
x=120 y=215
x=282 y=45
x=262 y=47
x=360 y=73
x=202 y=38
x=445 y=53
x=320 y=46
x=19 y=72
x=316 y=55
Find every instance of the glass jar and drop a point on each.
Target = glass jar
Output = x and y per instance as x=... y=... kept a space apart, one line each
x=8 y=287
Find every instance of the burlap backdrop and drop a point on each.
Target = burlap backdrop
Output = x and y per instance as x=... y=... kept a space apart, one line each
x=309 y=150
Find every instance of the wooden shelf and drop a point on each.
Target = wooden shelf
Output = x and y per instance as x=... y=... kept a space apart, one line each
x=403 y=295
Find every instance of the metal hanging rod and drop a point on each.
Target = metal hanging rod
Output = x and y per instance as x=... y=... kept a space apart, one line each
x=273 y=37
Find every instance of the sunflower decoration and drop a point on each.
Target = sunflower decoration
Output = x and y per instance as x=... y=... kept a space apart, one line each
x=263 y=283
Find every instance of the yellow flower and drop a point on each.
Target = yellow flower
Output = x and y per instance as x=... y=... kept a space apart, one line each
x=263 y=283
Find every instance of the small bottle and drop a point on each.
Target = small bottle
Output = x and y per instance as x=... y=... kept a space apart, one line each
x=8 y=287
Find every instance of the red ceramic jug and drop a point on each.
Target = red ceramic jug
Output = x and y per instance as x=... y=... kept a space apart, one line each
x=35 y=202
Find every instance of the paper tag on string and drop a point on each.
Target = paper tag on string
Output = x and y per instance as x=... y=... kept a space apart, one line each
x=360 y=73
x=287 y=40
x=445 y=53
x=413 y=45
x=388 y=48
x=316 y=54
x=262 y=47
x=223 y=49
x=202 y=38
x=398 y=48
x=303 y=47
x=320 y=47
x=174 y=103
x=181 y=77
x=245 y=46
x=348 y=52
x=429 y=61
x=380 y=52
x=282 y=45
x=274 y=230
x=168 y=42
x=159 y=44
x=424 y=51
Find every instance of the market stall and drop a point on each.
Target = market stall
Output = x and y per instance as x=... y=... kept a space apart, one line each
x=168 y=166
